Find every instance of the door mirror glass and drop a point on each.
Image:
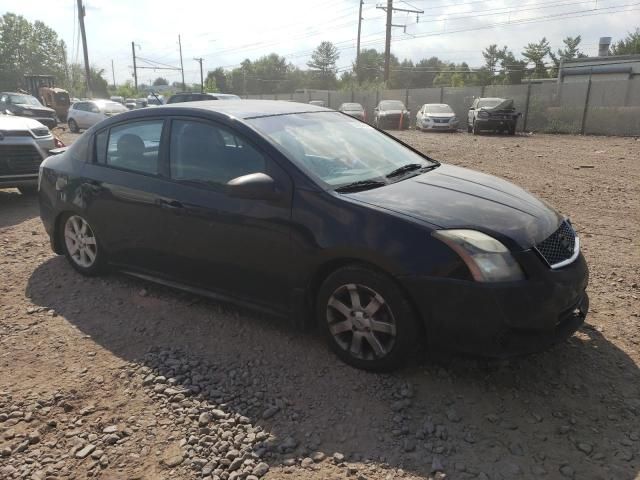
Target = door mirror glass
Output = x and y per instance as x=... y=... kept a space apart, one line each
x=255 y=186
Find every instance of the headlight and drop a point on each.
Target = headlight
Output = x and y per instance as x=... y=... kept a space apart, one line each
x=9 y=112
x=487 y=258
x=26 y=113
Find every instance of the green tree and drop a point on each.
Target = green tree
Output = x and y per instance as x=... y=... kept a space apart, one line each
x=512 y=69
x=627 y=46
x=160 y=81
x=216 y=81
x=322 y=65
x=29 y=48
x=371 y=65
x=571 y=50
x=536 y=53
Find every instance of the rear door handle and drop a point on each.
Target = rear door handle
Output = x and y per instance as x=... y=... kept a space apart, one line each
x=170 y=204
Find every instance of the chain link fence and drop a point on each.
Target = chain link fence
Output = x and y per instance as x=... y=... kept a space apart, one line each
x=609 y=107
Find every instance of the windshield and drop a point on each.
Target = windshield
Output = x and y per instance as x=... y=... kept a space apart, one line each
x=437 y=109
x=24 y=100
x=351 y=107
x=495 y=102
x=392 y=105
x=336 y=149
x=112 y=107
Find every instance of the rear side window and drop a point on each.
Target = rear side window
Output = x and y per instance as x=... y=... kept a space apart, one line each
x=204 y=152
x=133 y=146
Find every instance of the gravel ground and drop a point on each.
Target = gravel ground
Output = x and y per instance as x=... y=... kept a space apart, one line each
x=119 y=379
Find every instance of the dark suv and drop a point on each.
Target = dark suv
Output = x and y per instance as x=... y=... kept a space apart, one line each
x=197 y=97
x=495 y=114
x=25 y=105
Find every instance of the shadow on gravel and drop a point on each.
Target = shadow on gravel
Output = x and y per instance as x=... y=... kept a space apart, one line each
x=16 y=208
x=572 y=412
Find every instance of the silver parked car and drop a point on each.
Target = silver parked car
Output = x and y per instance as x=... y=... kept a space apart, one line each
x=436 y=116
x=87 y=114
x=354 y=110
x=24 y=144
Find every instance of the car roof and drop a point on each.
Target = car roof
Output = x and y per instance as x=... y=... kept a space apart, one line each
x=243 y=108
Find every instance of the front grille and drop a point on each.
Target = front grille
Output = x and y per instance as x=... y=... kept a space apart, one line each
x=441 y=120
x=19 y=159
x=15 y=133
x=560 y=246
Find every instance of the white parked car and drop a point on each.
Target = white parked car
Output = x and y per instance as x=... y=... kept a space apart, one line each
x=87 y=114
x=436 y=116
x=24 y=144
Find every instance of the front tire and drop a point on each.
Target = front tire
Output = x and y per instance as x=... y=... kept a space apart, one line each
x=73 y=126
x=81 y=245
x=366 y=318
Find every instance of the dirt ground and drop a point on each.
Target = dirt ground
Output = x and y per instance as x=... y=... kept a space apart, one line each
x=117 y=378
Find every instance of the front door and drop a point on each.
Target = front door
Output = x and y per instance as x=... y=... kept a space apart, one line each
x=239 y=247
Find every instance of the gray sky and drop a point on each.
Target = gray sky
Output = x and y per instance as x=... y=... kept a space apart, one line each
x=225 y=33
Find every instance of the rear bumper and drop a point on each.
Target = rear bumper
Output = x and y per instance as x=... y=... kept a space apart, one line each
x=504 y=319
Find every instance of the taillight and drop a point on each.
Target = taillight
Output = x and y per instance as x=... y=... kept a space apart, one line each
x=58 y=143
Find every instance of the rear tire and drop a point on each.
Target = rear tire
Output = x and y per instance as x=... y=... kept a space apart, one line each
x=73 y=126
x=81 y=245
x=366 y=318
x=28 y=191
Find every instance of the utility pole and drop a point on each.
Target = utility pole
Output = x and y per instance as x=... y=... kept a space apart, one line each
x=113 y=74
x=87 y=70
x=199 y=60
x=181 y=66
x=358 y=47
x=387 y=42
x=135 y=70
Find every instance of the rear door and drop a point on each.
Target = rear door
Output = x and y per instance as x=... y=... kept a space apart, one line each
x=239 y=247
x=123 y=188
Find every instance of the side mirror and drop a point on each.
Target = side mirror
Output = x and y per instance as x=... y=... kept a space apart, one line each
x=254 y=186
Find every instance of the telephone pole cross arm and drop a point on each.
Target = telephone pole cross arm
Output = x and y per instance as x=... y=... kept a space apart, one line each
x=389 y=9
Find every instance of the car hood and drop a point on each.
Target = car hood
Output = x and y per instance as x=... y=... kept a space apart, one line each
x=10 y=122
x=455 y=197
x=34 y=109
x=439 y=115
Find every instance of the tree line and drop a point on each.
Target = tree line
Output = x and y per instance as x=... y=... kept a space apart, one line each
x=35 y=48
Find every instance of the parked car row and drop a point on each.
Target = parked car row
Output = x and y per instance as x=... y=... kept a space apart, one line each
x=485 y=114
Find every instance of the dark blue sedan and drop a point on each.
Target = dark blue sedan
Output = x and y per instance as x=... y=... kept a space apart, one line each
x=306 y=212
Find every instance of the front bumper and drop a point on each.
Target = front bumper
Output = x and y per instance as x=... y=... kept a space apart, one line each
x=47 y=121
x=438 y=126
x=504 y=319
x=495 y=124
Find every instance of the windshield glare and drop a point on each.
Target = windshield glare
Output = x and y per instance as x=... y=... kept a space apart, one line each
x=352 y=107
x=494 y=102
x=392 y=105
x=336 y=149
x=24 y=100
x=437 y=109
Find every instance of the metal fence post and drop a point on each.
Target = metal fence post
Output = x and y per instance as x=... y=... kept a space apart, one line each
x=526 y=108
x=377 y=97
x=441 y=94
x=586 y=107
x=353 y=94
x=482 y=91
x=329 y=98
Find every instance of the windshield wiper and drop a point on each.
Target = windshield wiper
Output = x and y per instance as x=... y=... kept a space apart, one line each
x=361 y=185
x=411 y=167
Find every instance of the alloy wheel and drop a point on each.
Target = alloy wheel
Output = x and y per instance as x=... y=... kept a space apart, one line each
x=361 y=322
x=80 y=241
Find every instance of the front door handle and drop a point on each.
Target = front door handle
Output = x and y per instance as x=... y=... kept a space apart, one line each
x=170 y=204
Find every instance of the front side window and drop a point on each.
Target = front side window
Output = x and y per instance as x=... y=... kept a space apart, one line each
x=134 y=146
x=334 y=148
x=210 y=154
